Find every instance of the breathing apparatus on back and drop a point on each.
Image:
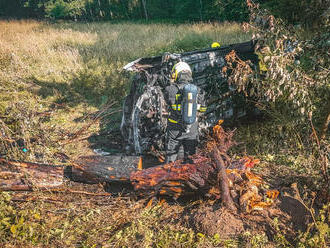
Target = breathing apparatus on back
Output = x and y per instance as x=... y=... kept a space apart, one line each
x=187 y=95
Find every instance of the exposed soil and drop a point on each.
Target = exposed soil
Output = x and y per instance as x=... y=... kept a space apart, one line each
x=288 y=216
x=207 y=220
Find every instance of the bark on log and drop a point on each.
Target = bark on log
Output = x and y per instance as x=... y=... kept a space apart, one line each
x=26 y=176
x=100 y=169
x=176 y=179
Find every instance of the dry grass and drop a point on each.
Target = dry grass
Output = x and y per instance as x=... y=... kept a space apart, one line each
x=59 y=52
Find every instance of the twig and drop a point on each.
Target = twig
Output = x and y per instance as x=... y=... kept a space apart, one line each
x=36 y=199
x=323 y=157
x=309 y=209
x=80 y=192
x=326 y=123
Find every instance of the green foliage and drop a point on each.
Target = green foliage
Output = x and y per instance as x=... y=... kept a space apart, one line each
x=308 y=13
x=59 y=9
x=203 y=10
x=227 y=10
x=318 y=232
x=294 y=93
x=22 y=225
x=191 y=41
x=99 y=80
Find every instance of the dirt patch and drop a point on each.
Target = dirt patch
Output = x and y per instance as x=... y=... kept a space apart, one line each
x=288 y=216
x=209 y=221
x=300 y=217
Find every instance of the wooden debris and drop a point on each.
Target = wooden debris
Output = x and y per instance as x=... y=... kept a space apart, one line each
x=212 y=173
x=26 y=176
x=100 y=169
x=79 y=192
x=223 y=180
x=176 y=179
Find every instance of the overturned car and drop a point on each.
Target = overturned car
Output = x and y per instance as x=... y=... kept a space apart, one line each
x=144 y=118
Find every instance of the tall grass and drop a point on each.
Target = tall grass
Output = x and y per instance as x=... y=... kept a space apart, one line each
x=87 y=56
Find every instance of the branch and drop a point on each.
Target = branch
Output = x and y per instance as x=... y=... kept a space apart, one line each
x=223 y=180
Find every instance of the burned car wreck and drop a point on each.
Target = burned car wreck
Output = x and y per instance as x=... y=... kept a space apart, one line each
x=144 y=119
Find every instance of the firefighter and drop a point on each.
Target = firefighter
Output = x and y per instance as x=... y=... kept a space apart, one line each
x=182 y=125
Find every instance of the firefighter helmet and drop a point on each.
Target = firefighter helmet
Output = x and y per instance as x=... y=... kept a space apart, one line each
x=215 y=45
x=179 y=68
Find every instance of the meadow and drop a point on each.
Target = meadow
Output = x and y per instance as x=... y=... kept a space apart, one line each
x=89 y=56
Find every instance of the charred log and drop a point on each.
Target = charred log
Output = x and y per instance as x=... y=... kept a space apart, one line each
x=103 y=169
x=176 y=179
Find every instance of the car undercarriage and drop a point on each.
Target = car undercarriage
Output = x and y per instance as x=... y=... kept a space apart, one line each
x=144 y=118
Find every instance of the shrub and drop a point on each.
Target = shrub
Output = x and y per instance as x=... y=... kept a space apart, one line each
x=59 y=9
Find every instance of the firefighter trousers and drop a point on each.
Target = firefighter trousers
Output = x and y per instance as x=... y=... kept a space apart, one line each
x=176 y=136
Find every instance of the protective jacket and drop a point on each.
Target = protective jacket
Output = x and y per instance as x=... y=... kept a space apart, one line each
x=177 y=134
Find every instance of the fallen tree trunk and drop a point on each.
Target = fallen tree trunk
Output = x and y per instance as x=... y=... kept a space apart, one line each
x=177 y=179
x=25 y=176
x=207 y=176
x=103 y=169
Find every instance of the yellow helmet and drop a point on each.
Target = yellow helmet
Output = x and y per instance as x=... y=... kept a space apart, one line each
x=215 y=45
x=178 y=68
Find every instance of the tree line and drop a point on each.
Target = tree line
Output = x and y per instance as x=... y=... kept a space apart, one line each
x=184 y=10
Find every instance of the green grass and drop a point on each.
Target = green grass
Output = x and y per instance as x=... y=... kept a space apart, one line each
x=107 y=222
x=82 y=62
x=78 y=62
x=67 y=52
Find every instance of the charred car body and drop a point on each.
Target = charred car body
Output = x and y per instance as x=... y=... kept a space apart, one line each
x=144 y=118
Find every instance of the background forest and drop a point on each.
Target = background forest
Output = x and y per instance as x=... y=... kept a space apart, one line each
x=304 y=12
